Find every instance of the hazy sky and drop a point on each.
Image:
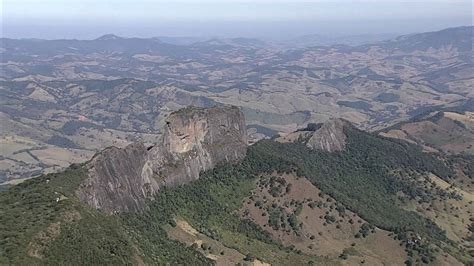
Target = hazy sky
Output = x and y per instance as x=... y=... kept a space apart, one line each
x=252 y=18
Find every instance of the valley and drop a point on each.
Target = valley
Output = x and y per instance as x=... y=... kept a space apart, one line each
x=64 y=100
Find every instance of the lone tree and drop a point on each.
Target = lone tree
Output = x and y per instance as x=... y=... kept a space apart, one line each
x=249 y=257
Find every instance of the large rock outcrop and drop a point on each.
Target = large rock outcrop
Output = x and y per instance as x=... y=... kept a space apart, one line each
x=329 y=137
x=119 y=179
x=194 y=140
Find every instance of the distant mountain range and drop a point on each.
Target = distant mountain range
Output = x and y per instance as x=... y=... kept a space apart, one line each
x=461 y=38
x=63 y=100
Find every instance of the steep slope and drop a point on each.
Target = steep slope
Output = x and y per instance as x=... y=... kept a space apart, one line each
x=194 y=140
x=119 y=180
x=330 y=137
x=373 y=179
x=449 y=132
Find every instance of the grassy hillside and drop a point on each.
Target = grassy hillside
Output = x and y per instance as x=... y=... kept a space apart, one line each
x=442 y=131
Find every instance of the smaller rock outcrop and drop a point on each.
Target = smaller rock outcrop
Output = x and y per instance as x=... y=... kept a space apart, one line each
x=329 y=137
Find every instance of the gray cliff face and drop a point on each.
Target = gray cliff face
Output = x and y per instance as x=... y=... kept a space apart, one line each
x=119 y=180
x=329 y=137
x=194 y=140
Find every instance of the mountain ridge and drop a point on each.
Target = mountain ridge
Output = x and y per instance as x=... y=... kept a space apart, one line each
x=387 y=39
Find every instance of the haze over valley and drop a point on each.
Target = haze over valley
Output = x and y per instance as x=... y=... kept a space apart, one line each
x=63 y=100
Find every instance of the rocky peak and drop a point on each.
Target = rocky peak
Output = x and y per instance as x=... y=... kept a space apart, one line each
x=193 y=127
x=194 y=140
x=329 y=137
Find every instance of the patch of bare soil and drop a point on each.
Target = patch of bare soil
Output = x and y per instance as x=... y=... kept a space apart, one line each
x=137 y=257
x=41 y=240
x=293 y=137
x=446 y=259
x=453 y=215
x=298 y=214
x=210 y=248
x=257 y=262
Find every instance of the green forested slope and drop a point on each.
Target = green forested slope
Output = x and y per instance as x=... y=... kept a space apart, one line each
x=366 y=177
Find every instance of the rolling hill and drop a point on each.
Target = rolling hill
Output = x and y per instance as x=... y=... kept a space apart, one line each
x=64 y=100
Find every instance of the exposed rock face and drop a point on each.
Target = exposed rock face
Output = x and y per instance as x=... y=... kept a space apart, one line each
x=119 y=179
x=329 y=137
x=194 y=140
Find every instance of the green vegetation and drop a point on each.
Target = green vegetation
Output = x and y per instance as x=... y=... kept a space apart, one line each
x=209 y=204
x=42 y=217
x=30 y=207
x=465 y=162
x=84 y=235
x=62 y=142
x=42 y=222
x=71 y=127
x=92 y=238
x=273 y=118
x=362 y=179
